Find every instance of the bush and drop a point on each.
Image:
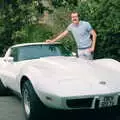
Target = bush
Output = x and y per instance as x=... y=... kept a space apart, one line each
x=38 y=32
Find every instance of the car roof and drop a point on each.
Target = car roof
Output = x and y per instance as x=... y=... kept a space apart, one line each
x=36 y=43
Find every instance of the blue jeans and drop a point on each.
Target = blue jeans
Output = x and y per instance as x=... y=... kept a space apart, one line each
x=85 y=54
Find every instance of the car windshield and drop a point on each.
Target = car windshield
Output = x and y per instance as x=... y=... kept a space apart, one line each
x=41 y=50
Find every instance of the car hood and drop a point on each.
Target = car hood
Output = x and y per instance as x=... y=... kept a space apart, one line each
x=77 y=76
x=63 y=67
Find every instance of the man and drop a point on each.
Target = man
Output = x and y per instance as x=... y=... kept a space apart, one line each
x=83 y=34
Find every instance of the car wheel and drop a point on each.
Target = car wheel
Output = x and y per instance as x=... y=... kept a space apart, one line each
x=3 y=90
x=32 y=105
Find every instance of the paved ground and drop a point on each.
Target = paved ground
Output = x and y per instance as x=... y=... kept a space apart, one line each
x=11 y=109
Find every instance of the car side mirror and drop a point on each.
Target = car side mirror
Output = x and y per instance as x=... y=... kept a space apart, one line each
x=9 y=59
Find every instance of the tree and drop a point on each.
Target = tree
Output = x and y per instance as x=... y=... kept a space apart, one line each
x=15 y=16
x=59 y=3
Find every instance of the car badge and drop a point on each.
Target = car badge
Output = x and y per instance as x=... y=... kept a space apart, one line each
x=102 y=82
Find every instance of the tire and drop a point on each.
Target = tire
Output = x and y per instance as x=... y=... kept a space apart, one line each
x=3 y=90
x=32 y=106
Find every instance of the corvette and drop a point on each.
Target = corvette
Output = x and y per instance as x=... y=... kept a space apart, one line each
x=49 y=76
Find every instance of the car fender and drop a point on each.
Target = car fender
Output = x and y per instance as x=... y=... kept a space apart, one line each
x=109 y=63
x=33 y=75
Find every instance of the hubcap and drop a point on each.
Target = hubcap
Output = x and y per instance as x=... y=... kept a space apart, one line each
x=26 y=102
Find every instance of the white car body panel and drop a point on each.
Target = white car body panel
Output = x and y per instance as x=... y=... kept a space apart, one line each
x=62 y=78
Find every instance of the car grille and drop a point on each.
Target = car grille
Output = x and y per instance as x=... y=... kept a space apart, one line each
x=80 y=103
x=118 y=100
x=97 y=103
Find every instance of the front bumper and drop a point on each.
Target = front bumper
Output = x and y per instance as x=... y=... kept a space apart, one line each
x=81 y=102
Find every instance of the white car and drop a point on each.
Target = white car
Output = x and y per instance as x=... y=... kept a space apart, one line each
x=48 y=75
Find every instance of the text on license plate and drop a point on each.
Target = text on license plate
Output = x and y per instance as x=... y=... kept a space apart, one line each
x=107 y=101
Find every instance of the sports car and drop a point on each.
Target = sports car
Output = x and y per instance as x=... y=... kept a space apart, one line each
x=49 y=76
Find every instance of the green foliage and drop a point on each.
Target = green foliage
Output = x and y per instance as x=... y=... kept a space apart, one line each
x=15 y=15
x=38 y=32
x=64 y=3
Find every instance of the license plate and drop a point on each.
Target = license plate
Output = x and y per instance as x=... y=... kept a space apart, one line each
x=107 y=101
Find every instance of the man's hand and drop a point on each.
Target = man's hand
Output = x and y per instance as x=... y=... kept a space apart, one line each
x=48 y=40
x=90 y=49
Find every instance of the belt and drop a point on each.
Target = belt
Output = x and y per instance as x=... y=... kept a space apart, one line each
x=83 y=48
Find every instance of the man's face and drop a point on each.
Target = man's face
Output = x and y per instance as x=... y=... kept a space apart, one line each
x=75 y=18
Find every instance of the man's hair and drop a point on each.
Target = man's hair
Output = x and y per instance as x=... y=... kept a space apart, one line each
x=74 y=12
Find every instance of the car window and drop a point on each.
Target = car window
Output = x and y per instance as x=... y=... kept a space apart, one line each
x=38 y=51
x=14 y=54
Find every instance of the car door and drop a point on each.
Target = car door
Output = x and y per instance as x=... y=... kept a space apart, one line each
x=11 y=70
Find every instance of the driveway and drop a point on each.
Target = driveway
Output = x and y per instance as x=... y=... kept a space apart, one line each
x=11 y=108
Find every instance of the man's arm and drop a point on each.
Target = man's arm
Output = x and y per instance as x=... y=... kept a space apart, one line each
x=59 y=37
x=94 y=35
